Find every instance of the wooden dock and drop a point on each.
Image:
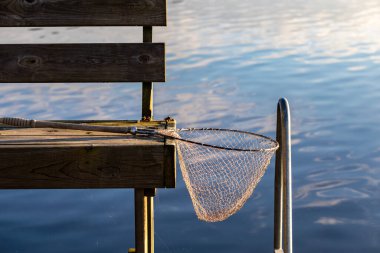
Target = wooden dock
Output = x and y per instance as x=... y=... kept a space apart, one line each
x=53 y=159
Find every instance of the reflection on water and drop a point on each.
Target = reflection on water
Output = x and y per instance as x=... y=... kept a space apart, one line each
x=228 y=63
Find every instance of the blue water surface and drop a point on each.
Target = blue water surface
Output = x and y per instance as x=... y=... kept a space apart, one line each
x=227 y=64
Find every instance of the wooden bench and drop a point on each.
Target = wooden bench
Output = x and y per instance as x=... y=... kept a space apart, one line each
x=62 y=159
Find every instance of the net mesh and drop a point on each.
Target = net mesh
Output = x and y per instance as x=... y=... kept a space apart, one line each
x=221 y=168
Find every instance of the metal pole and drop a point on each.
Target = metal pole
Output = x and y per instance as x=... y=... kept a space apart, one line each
x=278 y=189
x=283 y=239
x=149 y=195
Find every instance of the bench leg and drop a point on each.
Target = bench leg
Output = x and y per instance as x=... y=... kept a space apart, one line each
x=141 y=224
x=283 y=235
x=144 y=220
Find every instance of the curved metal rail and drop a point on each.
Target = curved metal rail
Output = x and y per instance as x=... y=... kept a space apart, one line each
x=283 y=234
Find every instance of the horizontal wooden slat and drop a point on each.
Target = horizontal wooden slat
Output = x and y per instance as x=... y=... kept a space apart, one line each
x=29 y=13
x=40 y=63
x=56 y=159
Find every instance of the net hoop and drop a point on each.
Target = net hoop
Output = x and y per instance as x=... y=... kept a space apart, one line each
x=221 y=167
x=274 y=143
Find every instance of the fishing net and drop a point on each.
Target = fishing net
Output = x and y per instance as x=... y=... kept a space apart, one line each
x=221 y=168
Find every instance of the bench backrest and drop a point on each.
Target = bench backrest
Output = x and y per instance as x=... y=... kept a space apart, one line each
x=111 y=62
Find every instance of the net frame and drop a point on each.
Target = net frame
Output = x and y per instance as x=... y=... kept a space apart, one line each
x=165 y=134
x=213 y=205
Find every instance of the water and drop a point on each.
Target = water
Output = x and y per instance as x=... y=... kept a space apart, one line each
x=227 y=64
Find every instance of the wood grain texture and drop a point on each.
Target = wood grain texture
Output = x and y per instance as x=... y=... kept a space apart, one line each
x=170 y=156
x=169 y=164
x=62 y=159
x=147 y=87
x=51 y=63
x=28 y=13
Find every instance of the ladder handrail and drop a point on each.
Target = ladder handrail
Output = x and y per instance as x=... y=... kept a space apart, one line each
x=283 y=224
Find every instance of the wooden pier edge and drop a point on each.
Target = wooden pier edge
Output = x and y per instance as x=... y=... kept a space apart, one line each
x=83 y=161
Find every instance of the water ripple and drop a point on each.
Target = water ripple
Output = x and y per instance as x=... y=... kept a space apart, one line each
x=227 y=64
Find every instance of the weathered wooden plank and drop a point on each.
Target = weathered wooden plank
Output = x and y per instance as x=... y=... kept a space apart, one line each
x=170 y=159
x=76 y=167
x=29 y=13
x=49 y=136
x=55 y=159
x=51 y=63
x=169 y=164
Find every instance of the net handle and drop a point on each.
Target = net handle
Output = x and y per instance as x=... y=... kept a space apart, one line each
x=20 y=122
